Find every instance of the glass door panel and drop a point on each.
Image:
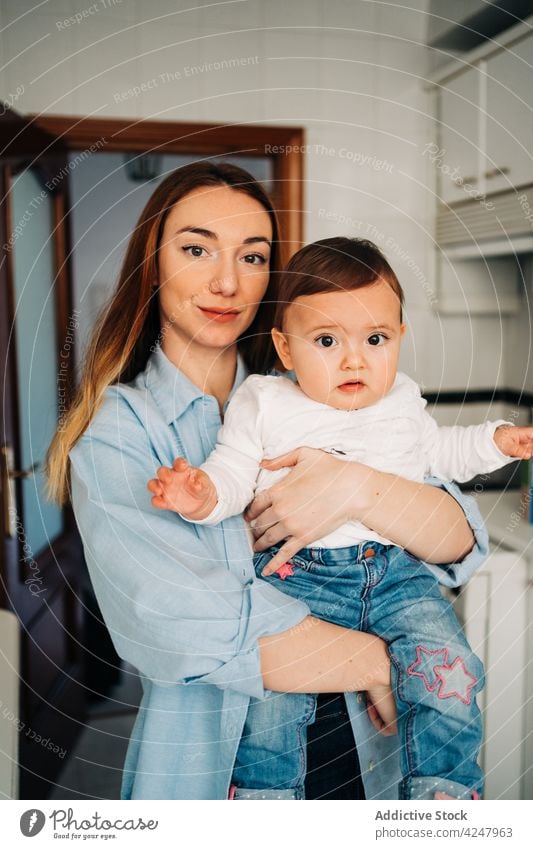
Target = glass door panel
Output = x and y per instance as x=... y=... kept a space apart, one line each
x=36 y=347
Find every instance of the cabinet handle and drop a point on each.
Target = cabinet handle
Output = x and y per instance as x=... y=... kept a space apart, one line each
x=469 y=179
x=496 y=172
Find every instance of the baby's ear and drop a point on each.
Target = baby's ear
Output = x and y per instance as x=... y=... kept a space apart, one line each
x=403 y=328
x=282 y=347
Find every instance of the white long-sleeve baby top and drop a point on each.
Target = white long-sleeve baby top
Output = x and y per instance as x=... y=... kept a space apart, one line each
x=270 y=415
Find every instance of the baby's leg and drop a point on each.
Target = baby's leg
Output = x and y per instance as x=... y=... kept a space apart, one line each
x=271 y=760
x=436 y=678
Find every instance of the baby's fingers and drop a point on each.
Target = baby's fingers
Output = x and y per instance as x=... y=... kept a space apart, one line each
x=196 y=483
x=155 y=486
x=165 y=475
x=523 y=452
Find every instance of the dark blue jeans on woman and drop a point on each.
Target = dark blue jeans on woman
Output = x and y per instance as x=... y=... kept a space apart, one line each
x=435 y=675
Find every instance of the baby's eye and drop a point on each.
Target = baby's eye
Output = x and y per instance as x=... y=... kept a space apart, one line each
x=377 y=339
x=326 y=341
x=195 y=250
x=254 y=259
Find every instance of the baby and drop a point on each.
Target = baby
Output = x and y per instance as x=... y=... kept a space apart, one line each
x=338 y=327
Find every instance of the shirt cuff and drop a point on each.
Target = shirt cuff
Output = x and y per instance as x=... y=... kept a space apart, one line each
x=456 y=574
x=241 y=673
x=271 y=612
x=213 y=518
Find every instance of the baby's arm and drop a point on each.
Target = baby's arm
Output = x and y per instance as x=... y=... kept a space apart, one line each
x=224 y=485
x=461 y=453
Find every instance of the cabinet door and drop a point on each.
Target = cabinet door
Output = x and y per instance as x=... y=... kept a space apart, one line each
x=459 y=137
x=495 y=617
x=510 y=117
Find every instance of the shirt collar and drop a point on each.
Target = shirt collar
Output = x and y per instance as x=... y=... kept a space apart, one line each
x=173 y=391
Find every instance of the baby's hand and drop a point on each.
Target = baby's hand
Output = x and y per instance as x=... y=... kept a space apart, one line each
x=515 y=441
x=183 y=489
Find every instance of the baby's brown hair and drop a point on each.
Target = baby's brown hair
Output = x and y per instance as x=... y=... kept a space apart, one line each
x=331 y=265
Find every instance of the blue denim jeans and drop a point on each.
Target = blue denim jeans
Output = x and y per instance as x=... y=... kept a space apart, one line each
x=435 y=675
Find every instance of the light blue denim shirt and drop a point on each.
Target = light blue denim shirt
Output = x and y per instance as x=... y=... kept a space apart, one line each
x=182 y=602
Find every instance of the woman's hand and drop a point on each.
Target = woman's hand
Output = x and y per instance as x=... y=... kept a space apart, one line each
x=312 y=501
x=381 y=709
x=321 y=493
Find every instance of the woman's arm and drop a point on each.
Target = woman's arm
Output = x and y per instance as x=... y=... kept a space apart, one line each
x=175 y=608
x=320 y=657
x=322 y=492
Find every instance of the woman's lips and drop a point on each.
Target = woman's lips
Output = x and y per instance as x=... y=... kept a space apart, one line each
x=352 y=386
x=220 y=316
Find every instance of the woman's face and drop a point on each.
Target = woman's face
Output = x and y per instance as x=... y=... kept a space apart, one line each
x=213 y=266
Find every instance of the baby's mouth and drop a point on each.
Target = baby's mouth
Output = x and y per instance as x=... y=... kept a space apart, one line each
x=351 y=386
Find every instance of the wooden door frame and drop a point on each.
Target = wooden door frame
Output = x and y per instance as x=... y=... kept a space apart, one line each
x=16 y=154
x=52 y=696
x=283 y=145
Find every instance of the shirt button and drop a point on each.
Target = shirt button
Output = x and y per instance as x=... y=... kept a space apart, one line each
x=371 y=765
x=359 y=697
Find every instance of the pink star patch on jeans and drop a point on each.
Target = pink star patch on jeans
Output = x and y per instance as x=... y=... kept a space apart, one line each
x=448 y=679
x=286 y=570
x=455 y=680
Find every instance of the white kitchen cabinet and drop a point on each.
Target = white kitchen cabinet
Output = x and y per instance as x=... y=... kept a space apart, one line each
x=459 y=138
x=495 y=616
x=485 y=109
x=509 y=132
x=497 y=606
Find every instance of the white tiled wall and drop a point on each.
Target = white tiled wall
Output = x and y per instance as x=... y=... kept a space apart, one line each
x=350 y=71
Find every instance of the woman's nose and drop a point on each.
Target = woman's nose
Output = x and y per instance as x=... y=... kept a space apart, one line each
x=226 y=281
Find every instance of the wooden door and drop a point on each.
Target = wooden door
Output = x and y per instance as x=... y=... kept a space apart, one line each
x=42 y=568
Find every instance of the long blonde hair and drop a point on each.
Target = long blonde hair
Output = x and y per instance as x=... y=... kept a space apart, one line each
x=130 y=324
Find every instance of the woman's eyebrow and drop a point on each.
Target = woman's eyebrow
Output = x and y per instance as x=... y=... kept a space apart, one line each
x=209 y=234
x=199 y=231
x=251 y=240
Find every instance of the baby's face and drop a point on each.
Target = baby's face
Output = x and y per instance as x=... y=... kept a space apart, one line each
x=343 y=346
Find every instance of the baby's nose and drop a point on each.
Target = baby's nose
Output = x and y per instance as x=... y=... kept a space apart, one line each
x=353 y=358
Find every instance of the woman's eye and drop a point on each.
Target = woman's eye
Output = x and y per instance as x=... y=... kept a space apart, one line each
x=377 y=339
x=195 y=250
x=326 y=341
x=254 y=259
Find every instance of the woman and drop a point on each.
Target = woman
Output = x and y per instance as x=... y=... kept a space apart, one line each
x=181 y=602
